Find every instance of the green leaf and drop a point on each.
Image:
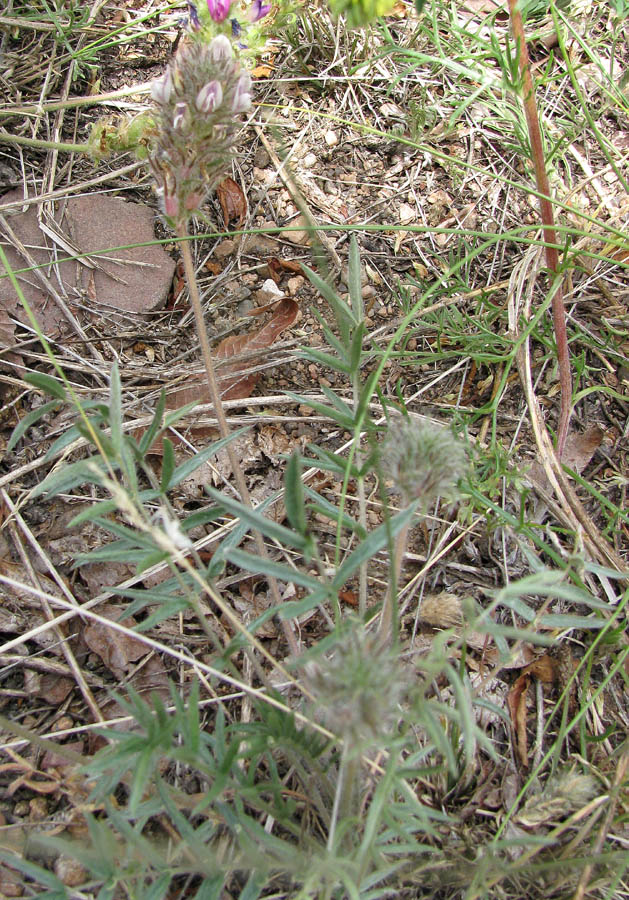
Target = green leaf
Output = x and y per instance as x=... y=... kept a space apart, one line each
x=47 y=384
x=70 y=435
x=419 y=6
x=344 y=421
x=251 y=563
x=148 y=438
x=33 y=416
x=375 y=541
x=192 y=464
x=69 y=476
x=354 y=285
x=325 y=359
x=356 y=349
x=294 y=495
x=344 y=318
x=330 y=511
x=168 y=463
x=255 y=520
x=115 y=409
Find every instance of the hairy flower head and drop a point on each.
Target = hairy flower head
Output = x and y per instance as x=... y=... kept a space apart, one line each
x=198 y=101
x=357 y=686
x=423 y=460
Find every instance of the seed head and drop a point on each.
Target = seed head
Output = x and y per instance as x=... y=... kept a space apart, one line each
x=423 y=460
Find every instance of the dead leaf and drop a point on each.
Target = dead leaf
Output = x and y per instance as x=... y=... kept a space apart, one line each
x=239 y=387
x=233 y=202
x=263 y=71
x=277 y=266
x=544 y=669
x=581 y=447
x=55 y=689
x=516 y=700
x=116 y=649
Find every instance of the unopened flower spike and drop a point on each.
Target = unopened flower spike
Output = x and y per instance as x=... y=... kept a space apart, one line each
x=424 y=461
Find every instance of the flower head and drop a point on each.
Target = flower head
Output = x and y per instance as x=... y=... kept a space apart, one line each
x=259 y=10
x=198 y=101
x=423 y=460
x=219 y=9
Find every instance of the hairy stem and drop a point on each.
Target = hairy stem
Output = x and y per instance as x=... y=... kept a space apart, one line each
x=41 y=144
x=215 y=398
x=550 y=236
x=388 y=628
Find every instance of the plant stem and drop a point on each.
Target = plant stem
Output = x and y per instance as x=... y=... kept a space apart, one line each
x=40 y=144
x=388 y=627
x=546 y=211
x=215 y=398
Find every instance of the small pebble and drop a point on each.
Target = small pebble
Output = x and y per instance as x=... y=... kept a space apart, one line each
x=261 y=158
x=309 y=160
x=331 y=138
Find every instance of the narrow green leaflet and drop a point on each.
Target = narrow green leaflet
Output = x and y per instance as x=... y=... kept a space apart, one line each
x=255 y=520
x=294 y=495
x=355 y=286
x=148 y=438
x=47 y=384
x=192 y=464
x=372 y=544
x=33 y=416
x=115 y=409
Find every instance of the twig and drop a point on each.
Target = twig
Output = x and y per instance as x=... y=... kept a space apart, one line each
x=550 y=235
x=215 y=397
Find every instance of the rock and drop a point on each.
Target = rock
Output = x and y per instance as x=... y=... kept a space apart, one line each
x=331 y=138
x=133 y=281
x=309 y=160
x=298 y=236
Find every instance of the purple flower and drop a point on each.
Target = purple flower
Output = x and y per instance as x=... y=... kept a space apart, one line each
x=259 y=10
x=209 y=97
x=219 y=9
x=236 y=28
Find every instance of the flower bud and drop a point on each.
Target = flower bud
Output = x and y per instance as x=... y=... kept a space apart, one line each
x=242 y=96
x=220 y=48
x=161 y=88
x=209 y=97
x=218 y=9
x=179 y=118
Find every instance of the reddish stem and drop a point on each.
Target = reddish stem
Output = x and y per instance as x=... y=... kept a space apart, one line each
x=550 y=235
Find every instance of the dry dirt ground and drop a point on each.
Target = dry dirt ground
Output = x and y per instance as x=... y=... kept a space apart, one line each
x=343 y=140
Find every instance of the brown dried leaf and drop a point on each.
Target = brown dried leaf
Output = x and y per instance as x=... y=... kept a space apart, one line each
x=277 y=266
x=516 y=700
x=544 y=669
x=581 y=447
x=117 y=650
x=240 y=387
x=55 y=689
x=233 y=202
